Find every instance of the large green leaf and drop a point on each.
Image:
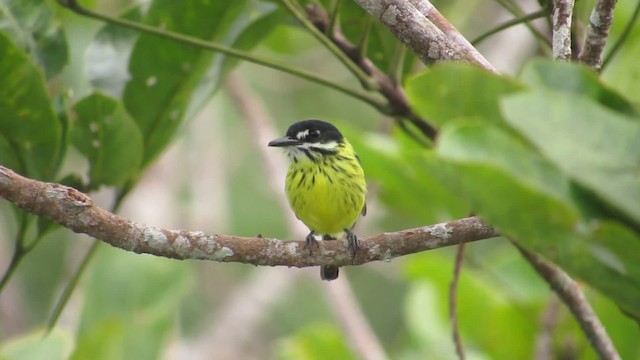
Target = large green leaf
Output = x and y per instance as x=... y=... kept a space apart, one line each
x=576 y=79
x=450 y=91
x=29 y=129
x=109 y=138
x=32 y=24
x=596 y=147
x=513 y=188
x=170 y=80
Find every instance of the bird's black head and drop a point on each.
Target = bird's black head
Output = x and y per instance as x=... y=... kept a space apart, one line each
x=309 y=132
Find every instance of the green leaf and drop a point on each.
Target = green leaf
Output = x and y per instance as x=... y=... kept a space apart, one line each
x=170 y=81
x=37 y=345
x=474 y=142
x=32 y=24
x=454 y=90
x=481 y=165
x=596 y=147
x=29 y=131
x=573 y=78
x=130 y=304
x=316 y=342
x=109 y=138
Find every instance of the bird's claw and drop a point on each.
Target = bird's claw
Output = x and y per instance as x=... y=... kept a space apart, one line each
x=311 y=242
x=352 y=243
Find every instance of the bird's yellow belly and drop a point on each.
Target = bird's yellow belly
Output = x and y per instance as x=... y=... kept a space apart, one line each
x=327 y=203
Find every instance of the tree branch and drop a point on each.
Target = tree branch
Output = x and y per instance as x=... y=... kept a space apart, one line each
x=570 y=293
x=562 y=14
x=419 y=25
x=597 y=33
x=76 y=211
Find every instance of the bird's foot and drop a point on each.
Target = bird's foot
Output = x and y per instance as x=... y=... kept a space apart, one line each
x=311 y=242
x=352 y=243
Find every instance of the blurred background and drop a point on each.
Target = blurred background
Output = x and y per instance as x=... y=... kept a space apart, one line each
x=213 y=177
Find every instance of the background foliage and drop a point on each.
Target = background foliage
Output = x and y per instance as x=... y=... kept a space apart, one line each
x=548 y=154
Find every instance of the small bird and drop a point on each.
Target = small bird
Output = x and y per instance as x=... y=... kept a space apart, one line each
x=325 y=184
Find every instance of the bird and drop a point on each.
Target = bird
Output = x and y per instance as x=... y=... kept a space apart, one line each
x=325 y=184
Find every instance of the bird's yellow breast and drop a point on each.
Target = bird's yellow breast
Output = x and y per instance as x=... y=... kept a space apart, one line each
x=327 y=194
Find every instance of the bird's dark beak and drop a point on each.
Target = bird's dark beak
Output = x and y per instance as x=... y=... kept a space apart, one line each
x=284 y=141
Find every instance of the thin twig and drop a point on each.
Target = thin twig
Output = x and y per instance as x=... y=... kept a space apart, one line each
x=548 y=321
x=514 y=10
x=570 y=293
x=70 y=286
x=507 y=24
x=597 y=33
x=453 y=301
x=76 y=211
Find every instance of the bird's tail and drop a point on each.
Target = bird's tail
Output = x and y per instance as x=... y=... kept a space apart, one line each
x=329 y=272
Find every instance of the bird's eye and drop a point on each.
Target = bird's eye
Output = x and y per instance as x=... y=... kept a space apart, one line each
x=314 y=135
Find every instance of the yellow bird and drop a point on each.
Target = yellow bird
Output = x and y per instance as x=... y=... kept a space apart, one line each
x=325 y=184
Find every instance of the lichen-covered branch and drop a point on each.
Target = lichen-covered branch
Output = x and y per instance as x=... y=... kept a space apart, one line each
x=561 y=44
x=597 y=33
x=76 y=211
x=432 y=43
